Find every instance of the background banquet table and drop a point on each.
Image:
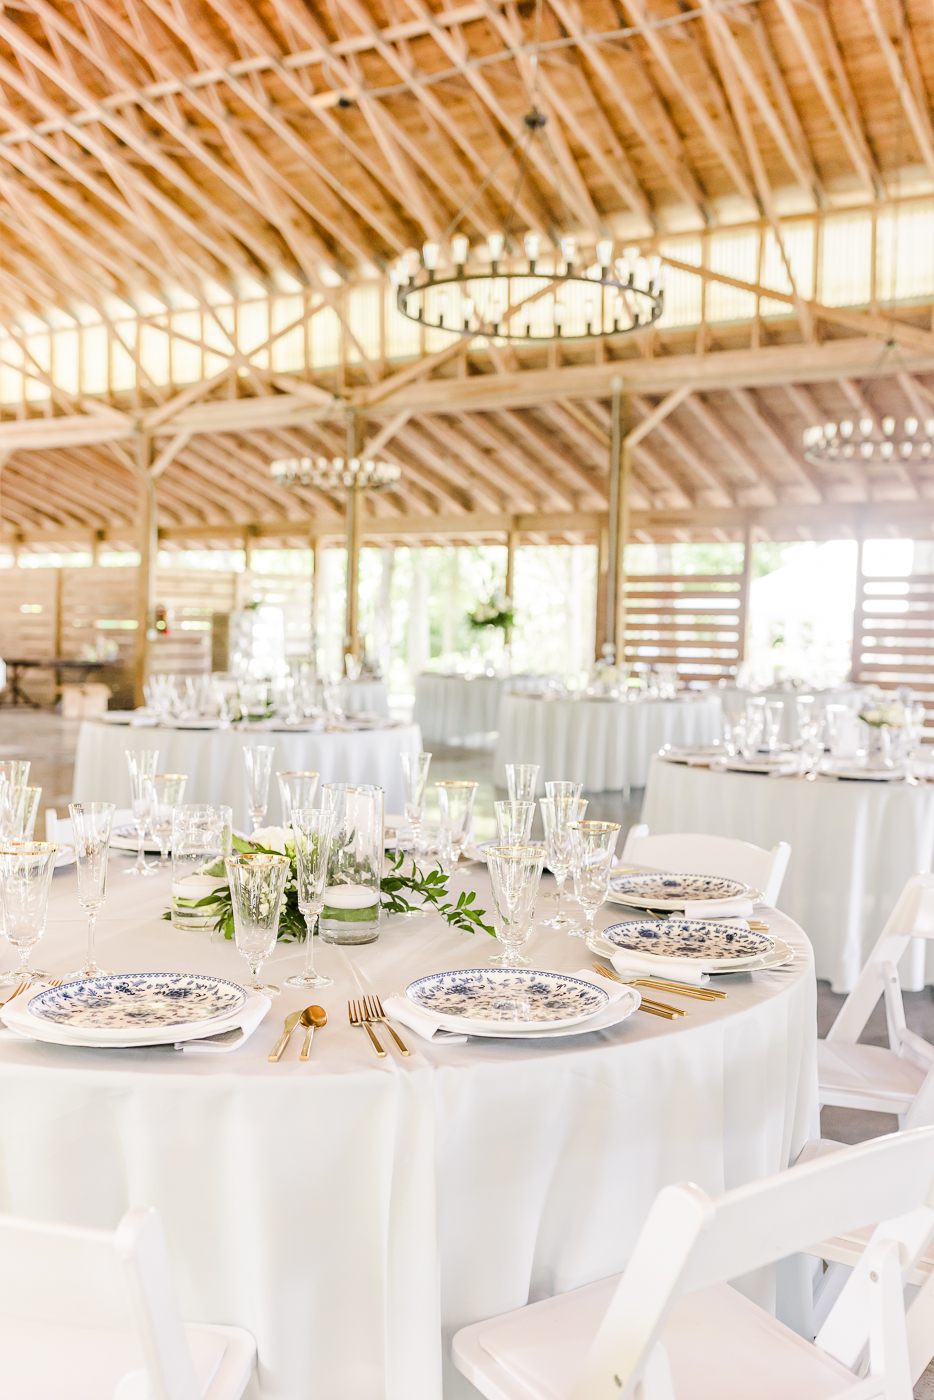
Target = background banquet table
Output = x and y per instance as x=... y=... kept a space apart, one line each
x=604 y=744
x=452 y=709
x=213 y=760
x=320 y=1204
x=733 y=701
x=364 y=697
x=853 y=846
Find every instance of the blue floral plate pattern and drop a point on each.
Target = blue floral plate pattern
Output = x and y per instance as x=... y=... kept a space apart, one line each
x=479 y=993
x=138 y=1001
x=666 y=891
x=689 y=938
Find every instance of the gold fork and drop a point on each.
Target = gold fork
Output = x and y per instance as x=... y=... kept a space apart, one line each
x=24 y=987
x=659 y=984
x=656 y=1008
x=357 y=1018
x=374 y=1012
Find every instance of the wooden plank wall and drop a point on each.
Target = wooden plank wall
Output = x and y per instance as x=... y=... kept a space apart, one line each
x=893 y=636
x=29 y=622
x=191 y=597
x=694 y=622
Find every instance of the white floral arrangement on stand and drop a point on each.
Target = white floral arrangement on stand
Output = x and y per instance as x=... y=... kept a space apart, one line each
x=879 y=712
x=497 y=611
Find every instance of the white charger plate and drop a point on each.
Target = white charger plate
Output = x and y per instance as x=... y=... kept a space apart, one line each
x=124 y=838
x=128 y=1008
x=780 y=956
x=556 y=999
x=668 y=892
x=16 y=1016
x=617 y=1011
x=702 y=940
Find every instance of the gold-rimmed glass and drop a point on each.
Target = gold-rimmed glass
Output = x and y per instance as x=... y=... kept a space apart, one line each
x=168 y=793
x=311 y=830
x=257 y=884
x=296 y=791
x=257 y=760
x=141 y=764
x=25 y=880
x=515 y=872
x=455 y=804
x=514 y=822
x=592 y=851
x=91 y=824
x=520 y=781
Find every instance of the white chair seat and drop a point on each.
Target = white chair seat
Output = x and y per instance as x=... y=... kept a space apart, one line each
x=719 y=1346
x=44 y=1362
x=866 y=1076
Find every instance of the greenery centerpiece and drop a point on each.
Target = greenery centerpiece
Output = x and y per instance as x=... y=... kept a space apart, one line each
x=497 y=611
x=396 y=891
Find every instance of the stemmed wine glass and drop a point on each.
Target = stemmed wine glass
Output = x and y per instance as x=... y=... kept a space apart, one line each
x=169 y=792
x=25 y=880
x=15 y=771
x=520 y=781
x=258 y=764
x=594 y=846
x=455 y=804
x=91 y=824
x=515 y=872
x=414 y=779
x=312 y=829
x=514 y=822
x=19 y=806
x=142 y=766
x=257 y=883
x=296 y=790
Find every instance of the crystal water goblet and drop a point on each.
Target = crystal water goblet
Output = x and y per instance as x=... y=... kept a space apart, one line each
x=455 y=804
x=258 y=764
x=296 y=790
x=91 y=824
x=257 y=884
x=774 y=709
x=515 y=873
x=15 y=771
x=557 y=817
x=756 y=731
x=520 y=781
x=414 y=780
x=804 y=712
x=514 y=822
x=25 y=880
x=311 y=829
x=168 y=793
x=734 y=733
x=19 y=806
x=142 y=768
x=593 y=849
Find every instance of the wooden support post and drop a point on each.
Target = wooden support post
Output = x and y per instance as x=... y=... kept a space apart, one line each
x=622 y=539
x=317 y=580
x=354 y=513
x=603 y=560
x=856 y=648
x=742 y=622
x=148 y=531
x=618 y=529
x=512 y=541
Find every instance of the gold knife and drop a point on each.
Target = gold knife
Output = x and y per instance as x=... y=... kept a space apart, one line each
x=291 y=1021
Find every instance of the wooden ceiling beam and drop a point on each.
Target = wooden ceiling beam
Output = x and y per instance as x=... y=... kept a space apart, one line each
x=800 y=469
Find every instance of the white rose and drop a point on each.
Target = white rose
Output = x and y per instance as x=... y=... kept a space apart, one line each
x=272 y=838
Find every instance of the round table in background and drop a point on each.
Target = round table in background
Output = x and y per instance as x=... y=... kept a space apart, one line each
x=364 y=697
x=853 y=846
x=213 y=761
x=604 y=744
x=733 y=700
x=353 y=1213
x=455 y=709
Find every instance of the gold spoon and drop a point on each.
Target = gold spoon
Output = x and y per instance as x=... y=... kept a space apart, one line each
x=313 y=1018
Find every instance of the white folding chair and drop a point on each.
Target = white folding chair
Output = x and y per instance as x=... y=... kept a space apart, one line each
x=670 y=1327
x=692 y=853
x=900 y=1079
x=93 y=1315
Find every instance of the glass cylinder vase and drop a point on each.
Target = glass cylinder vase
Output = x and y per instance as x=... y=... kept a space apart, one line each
x=352 y=896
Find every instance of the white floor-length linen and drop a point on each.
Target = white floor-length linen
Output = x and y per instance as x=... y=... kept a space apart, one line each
x=734 y=700
x=452 y=709
x=853 y=846
x=604 y=744
x=213 y=761
x=353 y=1213
x=365 y=697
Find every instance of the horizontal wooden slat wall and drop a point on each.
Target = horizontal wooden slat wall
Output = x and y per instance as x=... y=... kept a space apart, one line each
x=691 y=621
x=29 y=623
x=190 y=597
x=893 y=635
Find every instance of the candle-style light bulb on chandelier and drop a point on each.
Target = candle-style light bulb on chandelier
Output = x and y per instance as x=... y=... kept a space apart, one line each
x=870 y=440
x=511 y=293
x=335 y=473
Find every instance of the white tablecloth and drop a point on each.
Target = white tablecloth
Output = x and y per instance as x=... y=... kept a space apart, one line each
x=853 y=846
x=214 y=762
x=365 y=697
x=734 y=702
x=353 y=1212
x=604 y=744
x=452 y=709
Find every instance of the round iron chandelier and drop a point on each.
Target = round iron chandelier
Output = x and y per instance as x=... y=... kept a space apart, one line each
x=498 y=292
x=869 y=441
x=334 y=473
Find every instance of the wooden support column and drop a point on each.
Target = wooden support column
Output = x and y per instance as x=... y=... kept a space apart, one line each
x=742 y=625
x=603 y=559
x=148 y=526
x=317 y=580
x=354 y=514
x=512 y=541
x=856 y=647
x=618 y=530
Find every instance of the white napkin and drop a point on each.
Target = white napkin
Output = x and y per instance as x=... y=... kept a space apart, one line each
x=400 y=1008
x=222 y=1042
x=144 y=721
x=627 y=962
x=737 y=908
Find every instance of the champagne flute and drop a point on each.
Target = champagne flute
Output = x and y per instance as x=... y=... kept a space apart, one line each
x=142 y=766
x=455 y=803
x=414 y=779
x=296 y=790
x=25 y=880
x=520 y=781
x=91 y=824
x=258 y=764
x=311 y=828
x=257 y=883
x=169 y=791
x=594 y=846
x=514 y=822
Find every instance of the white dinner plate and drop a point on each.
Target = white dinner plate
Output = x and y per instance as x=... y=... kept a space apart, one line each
x=617 y=1011
x=464 y=998
x=680 y=753
x=16 y=1016
x=65 y=856
x=706 y=940
x=670 y=890
x=124 y=838
x=128 y=1008
x=780 y=955
x=867 y=775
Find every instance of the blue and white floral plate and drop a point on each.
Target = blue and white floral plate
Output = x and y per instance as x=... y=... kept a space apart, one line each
x=503 y=996
x=664 y=890
x=132 y=1006
x=702 y=939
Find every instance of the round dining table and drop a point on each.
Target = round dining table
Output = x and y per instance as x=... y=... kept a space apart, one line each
x=213 y=760
x=854 y=844
x=601 y=742
x=457 y=709
x=354 y=1212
